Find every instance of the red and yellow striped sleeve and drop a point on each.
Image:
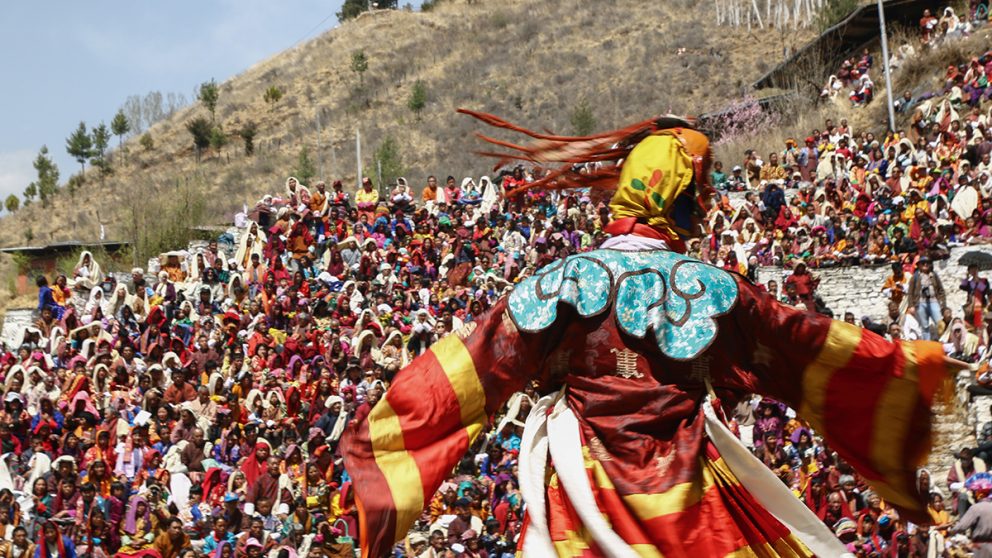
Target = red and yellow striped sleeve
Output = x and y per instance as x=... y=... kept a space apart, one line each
x=870 y=398
x=427 y=420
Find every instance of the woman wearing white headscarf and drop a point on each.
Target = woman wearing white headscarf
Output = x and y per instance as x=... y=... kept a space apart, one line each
x=165 y=289
x=252 y=241
x=393 y=352
x=39 y=465
x=100 y=385
x=297 y=195
x=952 y=21
x=87 y=272
x=197 y=264
x=832 y=87
x=490 y=195
x=401 y=194
x=215 y=384
x=255 y=402
x=15 y=381
x=94 y=301
x=113 y=305
x=340 y=420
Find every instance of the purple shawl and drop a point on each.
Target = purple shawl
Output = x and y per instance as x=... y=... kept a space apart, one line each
x=131 y=522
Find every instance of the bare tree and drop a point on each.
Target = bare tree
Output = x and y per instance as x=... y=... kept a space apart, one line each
x=174 y=102
x=132 y=110
x=151 y=108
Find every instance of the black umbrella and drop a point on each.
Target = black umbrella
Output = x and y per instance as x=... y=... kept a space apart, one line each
x=982 y=259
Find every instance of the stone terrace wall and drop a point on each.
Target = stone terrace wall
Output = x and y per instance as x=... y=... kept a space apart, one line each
x=858 y=289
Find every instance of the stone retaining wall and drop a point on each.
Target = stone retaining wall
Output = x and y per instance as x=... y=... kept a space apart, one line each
x=14 y=322
x=858 y=289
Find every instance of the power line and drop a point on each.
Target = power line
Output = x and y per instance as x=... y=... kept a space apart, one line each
x=312 y=29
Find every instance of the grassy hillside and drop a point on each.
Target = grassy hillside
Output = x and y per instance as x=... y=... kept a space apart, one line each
x=532 y=61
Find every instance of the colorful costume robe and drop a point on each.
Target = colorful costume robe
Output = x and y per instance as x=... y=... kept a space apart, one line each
x=629 y=340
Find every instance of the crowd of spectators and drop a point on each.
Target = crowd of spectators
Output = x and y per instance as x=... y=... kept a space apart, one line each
x=841 y=197
x=199 y=413
x=196 y=410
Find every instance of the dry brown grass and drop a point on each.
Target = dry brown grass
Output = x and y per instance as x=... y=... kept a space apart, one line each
x=528 y=60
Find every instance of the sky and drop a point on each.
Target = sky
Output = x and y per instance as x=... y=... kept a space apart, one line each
x=68 y=61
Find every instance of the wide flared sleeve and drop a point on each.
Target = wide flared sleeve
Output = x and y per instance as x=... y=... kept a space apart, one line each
x=428 y=418
x=870 y=398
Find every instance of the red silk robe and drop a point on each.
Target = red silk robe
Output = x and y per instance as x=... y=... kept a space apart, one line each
x=659 y=480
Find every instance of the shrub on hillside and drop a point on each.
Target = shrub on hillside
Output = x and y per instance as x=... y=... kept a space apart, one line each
x=582 y=119
x=218 y=139
x=359 y=65
x=305 y=169
x=272 y=95
x=418 y=98
x=387 y=157
x=429 y=5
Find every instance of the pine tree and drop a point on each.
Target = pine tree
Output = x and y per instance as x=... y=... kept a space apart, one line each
x=418 y=98
x=201 y=130
x=305 y=169
x=147 y=142
x=29 y=193
x=218 y=139
x=351 y=9
x=583 y=120
x=387 y=157
x=80 y=146
x=272 y=95
x=12 y=204
x=101 y=139
x=359 y=64
x=209 y=94
x=247 y=133
x=48 y=176
x=120 y=126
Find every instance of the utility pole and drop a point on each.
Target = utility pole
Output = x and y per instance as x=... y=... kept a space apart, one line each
x=320 y=156
x=358 y=158
x=334 y=154
x=378 y=177
x=885 y=61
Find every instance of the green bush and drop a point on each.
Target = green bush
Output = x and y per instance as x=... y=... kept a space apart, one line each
x=582 y=119
x=272 y=95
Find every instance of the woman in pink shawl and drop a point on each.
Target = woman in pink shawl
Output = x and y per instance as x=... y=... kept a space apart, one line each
x=985 y=227
x=294 y=369
x=138 y=531
x=82 y=407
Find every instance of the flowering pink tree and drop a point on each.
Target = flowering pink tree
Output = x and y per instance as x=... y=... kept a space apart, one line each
x=743 y=120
